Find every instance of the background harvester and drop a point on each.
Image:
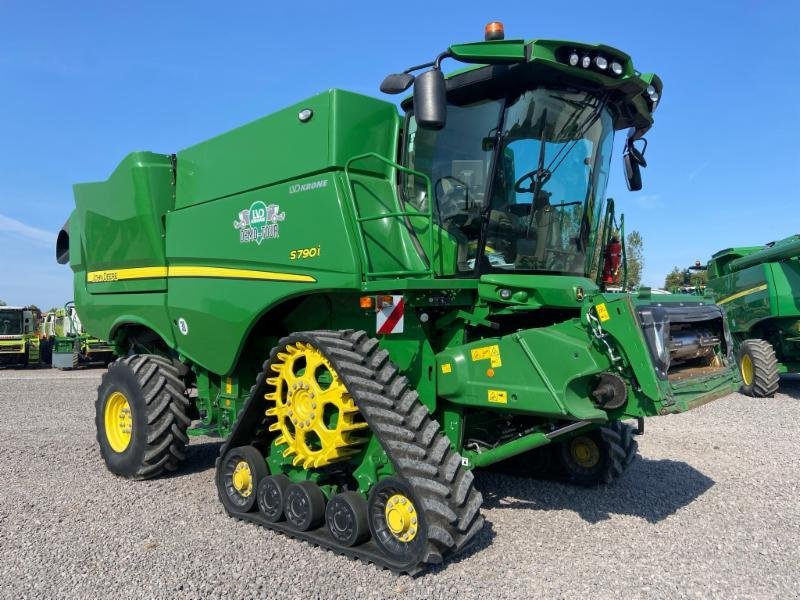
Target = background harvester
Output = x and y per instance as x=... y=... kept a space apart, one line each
x=368 y=305
x=19 y=344
x=759 y=287
x=64 y=343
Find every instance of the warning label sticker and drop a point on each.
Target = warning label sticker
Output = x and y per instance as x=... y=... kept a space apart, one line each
x=490 y=353
x=498 y=396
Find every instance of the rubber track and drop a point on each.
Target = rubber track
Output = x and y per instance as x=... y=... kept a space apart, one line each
x=622 y=449
x=167 y=408
x=765 y=368
x=411 y=438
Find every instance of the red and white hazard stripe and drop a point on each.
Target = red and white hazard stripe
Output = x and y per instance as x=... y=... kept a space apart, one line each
x=389 y=319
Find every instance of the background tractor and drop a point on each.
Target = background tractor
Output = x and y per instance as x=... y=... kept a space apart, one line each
x=19 y=344
x=759 y=287
x=367 y=305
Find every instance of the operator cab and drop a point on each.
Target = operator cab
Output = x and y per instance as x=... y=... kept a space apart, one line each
x=512 y=156
x=527 y=171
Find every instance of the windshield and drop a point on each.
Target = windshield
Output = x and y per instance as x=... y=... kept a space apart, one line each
x=552 y=167
x=10 y=322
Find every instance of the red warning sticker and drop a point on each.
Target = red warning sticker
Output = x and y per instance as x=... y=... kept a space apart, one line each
x=390 y=318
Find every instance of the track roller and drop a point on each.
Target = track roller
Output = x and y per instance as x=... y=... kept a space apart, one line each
x=347 y=520
x=304 y=505
x=271 y=494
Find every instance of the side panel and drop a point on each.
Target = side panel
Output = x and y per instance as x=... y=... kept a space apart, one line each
x=122 y=224
x=786 y=278
x=308 y=248
x=746 y=297
x=274 y=148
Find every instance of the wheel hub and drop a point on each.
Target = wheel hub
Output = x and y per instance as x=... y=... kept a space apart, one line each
x=315 y=415
x=585 y=452
x=243 y=479
x=118 y=422
x=747 y=369
x=401 y=517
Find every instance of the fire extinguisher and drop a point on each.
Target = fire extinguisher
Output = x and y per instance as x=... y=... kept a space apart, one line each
x=613 y=258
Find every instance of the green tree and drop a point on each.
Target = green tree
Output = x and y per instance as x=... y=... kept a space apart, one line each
x=699 y=278
x=674 y=279
x=634 y=250
x=3 y=303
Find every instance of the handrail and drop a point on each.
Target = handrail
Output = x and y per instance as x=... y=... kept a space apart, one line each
x=394 y=214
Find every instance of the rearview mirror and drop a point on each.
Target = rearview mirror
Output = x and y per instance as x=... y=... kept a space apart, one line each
x=633 y=160
x=430 y=100
x=397 y=83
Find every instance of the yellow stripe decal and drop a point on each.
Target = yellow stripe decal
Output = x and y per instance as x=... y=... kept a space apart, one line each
x=237 y=274
x=186 y=271
x=760 y=288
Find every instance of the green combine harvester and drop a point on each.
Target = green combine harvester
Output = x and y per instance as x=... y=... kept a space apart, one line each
x=19 y=342
x=759 y=287
x=367 y=305
x=66 y=346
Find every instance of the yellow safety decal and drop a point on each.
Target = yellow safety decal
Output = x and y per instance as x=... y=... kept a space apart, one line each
x=187 y=271
x=490 y=353
x=498 y=396
x=602 y=313
x=759 y=288
x=122 y=274
x=447 y=368
x=228 y=386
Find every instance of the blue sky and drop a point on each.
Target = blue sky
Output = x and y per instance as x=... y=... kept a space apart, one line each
x=84 y=83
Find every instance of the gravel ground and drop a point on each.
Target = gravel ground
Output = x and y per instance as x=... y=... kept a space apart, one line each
x=711 y=509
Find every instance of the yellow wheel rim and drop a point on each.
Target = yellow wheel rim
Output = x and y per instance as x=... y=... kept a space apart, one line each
x=243 y=479
x=585 y=452
x=747 y=369
x=316 y=418
x=401 y=517
x=118 y=422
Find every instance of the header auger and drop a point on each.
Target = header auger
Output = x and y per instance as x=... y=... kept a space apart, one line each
x=424 y=286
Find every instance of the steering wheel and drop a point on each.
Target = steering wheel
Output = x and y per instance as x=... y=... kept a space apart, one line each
x=543 y=176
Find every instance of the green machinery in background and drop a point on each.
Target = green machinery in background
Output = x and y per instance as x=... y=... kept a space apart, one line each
x=19 y=342
x=759 y=287
x=368 y=305
x=65 y=345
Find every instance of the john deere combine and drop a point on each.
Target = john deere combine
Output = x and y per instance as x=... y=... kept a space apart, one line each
x=19 y=344
x=759 y=287
x=367 y=305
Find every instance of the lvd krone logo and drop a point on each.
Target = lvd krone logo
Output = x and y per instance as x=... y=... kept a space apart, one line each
x=259 y=222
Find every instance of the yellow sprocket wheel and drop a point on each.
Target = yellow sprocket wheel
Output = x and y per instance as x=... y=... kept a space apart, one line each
x=315 y=415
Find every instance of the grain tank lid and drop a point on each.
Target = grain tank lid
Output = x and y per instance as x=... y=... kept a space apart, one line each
x=62 y=244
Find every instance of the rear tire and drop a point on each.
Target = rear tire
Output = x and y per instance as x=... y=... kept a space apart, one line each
x=140 y=415
x=758 y=366
x=599 y=456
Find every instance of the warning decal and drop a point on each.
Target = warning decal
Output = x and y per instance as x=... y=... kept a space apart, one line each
x=389 y=319
x=490 y=353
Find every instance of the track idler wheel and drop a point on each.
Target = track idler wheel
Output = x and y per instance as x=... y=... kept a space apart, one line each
x=239 y=475
x=271 y=495
x=347 y=520
x=304 y=506
x=397 y=521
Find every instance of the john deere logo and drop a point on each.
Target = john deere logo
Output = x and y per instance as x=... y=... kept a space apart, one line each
x=259 y=222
